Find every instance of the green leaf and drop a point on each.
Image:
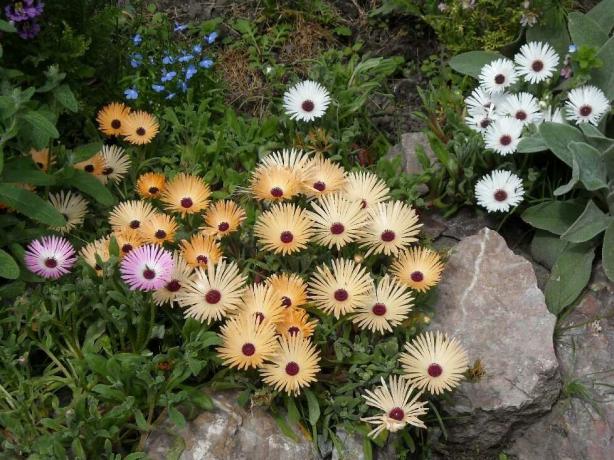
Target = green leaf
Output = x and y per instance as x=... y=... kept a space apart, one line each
x=471 y=62
x=547 y=247
x=6 y=26
x=176 y=417
x=89 y=185
x=553 y=216
x=575 y=178
x=551 y=28
x=23 y=170
x=589 y=224
x=367 y=448
x=83 y=152
x=591 y=167
x=603 y=14
x=532 y=144
x=8 y=267
x=607 y=252
x=603 y=77
x=41 y=124
x=285 y=428
x=65 y=96
x=585 y=31
x=314 y=407
x=558 y=136
x=569 y=277
x=31 y=205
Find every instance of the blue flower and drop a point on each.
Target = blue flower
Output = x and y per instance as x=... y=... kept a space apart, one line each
x=157 y=88
x=572 y=48
x=168 y=76
x=170 y=96
x=179 y=27
x=190 y=72
x=137 y=39
x=206 y=63
x=211 y=38
x=197 y=49
x=131 y=93
x=136 y=60
x=184 y=86
x=186 y=58
x=166 y=60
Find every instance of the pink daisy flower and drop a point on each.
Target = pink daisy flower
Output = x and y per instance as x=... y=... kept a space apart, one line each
x=50 y=256
x=147 y=268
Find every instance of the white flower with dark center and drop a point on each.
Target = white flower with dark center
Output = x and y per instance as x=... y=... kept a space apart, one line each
x=553 y=115
x=503 y=135
x=497 y=76
x=524 y=107
x=480 y=101
x=536 y=62
x=586 y=104
x=306 y=101
x=480 y=121
x=499 y=191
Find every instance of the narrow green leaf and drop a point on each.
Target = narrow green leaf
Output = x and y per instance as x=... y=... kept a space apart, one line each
x=575 y=178
x=83 y=152
x=547 y=247
x=471 y=62
x=89 y=185
x=589 y=224
x=293 y=413
x=367 y=448
x=40 y=123
x=8 y=267
x=23 y=170
x=553 y=216
x=285 y=428
x=176 y=417
x=31 y=205
x=558 y=136
x=314 y=407
x=584 y=30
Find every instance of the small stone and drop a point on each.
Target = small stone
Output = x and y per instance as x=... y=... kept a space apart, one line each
x=410 y=143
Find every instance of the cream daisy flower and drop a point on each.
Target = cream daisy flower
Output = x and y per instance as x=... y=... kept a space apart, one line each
x=284 y=229
x=98 y=249
x=42 y=159
x=260 y=301
x=342 y=289
x=295 y=321
x=293 y=160
x=274 y=183
x=290 y=288
x=524 y=107
x=399 y=404
x=223 y=218
x=201 y=250
x=433 y=362
x=587 y=104
x=158 y=229
x=93 y=165
x=116 y=164
x=176 y=285
x=419 y=268
x=246 y=342
x=139 y=127
x=128 y=240
x=213 y=293
x=306 y=101
x=294 y=365
x=497 y=76
x=337 y=221
x=390 y=227
x=150 y=185
x=112 y=117
x=499 y=191
x=186 y=194
x=323 y=177
x=386 y=307
x=503 y=135
x=72 y=206
x=130 y=215
x=536 y=61
x=366 y=188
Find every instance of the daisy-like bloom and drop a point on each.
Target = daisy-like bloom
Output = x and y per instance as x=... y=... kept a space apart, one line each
x=223 y=218
x=293 y=366
x=260 y=301
x=553 y=115
x=147 y=268
x=186 y=194
x=214 y=292
x=274 y=183
x=72 y=206
x=246 y=342
x=158 y=229
x=499 y=191
x=419 y=268
x=366 y=188
x=111 y=118
x=128 y=240
x=435 y=362
x=176 y=285
x=284 y=229
x=480 y=101
x=93 y=165
x=497 y=76
x=290 y=288
x=481 y=121
x=503 y=135
x=97 y=249
x=150 y=185
x=586 y=104
x=323 y=177
x=387 y=306
x=50 y=256
x=536 y=61
x=116 y=163
x=391 y=226
x=342 y=289
x=306 y=101
x=42 y=158
x=140 y=127
x=524 y=107
x=291 y=159
x=130 y=215
x=337 y=221
x=296 y=321
x=201 y=250
x=399 y=404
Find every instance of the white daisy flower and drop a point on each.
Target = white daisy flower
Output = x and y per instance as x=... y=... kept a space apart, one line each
x=497 y=76
x=306 y=101
x=499 y=191
x=480 y=101
x=553 y=115
x=536 y=61
x=524 y=107
x=480 y=121
x=503 y=135
x=586 y=104
x=72 y=206
x=116 y=164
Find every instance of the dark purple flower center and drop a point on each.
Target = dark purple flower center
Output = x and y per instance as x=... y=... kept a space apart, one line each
x=286 y=237
x=149 y=274
x=140 y=131
x=286 y=301
x=223 y=226
x=500 y=195
x=363 y=204
x=202 y=259
x=292 y=368
x=416 y=276
x=50 y=262
x=506 y=139
x=341 y=295
x=213 y=296
x=186 y=202
x=396 y=414
x=153 y=190
x=135 y=224
x=485 y=123
x=337 y=228
x=108 y=170
x=537 y=65
x=499 y=79
x=293 y=330
x=521 y=115
x=307 y=105
x=160 y=234
x=259 y=317
x=586 y=110
x=387 y=236
x=379 y=309
x=89 y=168
x=434 y=370
x=40 y=165
x=248 y=349
x=277 y=192
x=319 y=186
x=116 y=124
x=126 y=248
x=173 y=286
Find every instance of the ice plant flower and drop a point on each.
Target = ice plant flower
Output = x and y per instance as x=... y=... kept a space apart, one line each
x=524 y=107
x=42 y=159
x=418 y=268
x=290 y=288
x=213 y=293
x=480 y=102
x=186 y=194
x=260 y=301
x=499 y=191
x=390 y=227
x=116 y=163
x=150 y=185
x=434 y=362
x=366 y=188
x=336 y=221
x=176 y=284
x=340 y=290
x=293 y=160
x=93 y=165
x=140 y=128
x=158 y=229
x=147 y=268
x=503 y=135
x=130 y=215
x=127 y=240
x=72 y=206
x=398 y=401
x=386 y=307
x=223 y=218
x=536 y=61
x=295 y=321
x=480 y=122
x=293 y=366
x=50 y=256
x=274 y=183
x=246 y=342
x=111 y=118
x=306 y=101
x=587 y=104
x=552 y=115
x=323 y=177
x=284 y=229
x=95 y=251
x=201 y=250
x=498 y=76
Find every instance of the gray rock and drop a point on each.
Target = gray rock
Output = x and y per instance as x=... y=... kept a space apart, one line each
x=410 y=142
x=228 y=432
x=489 y=299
